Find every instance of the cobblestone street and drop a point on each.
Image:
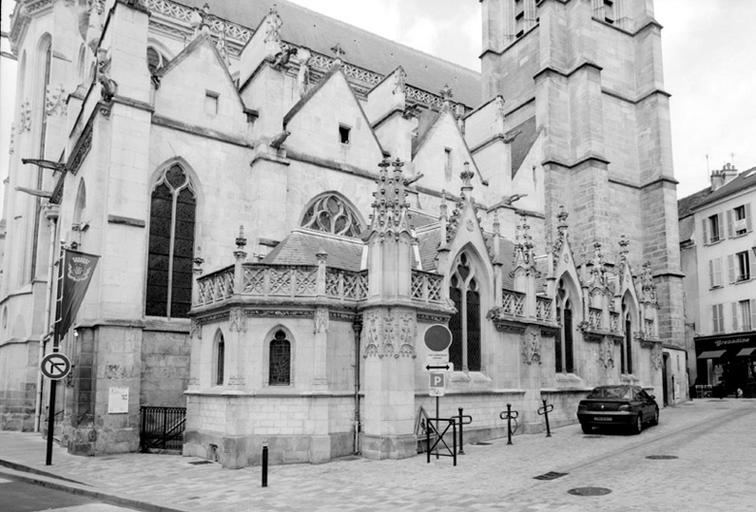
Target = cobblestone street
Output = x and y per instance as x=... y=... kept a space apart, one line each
x=714 y=470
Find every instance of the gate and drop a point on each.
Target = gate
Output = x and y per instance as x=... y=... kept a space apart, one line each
x=161 y=428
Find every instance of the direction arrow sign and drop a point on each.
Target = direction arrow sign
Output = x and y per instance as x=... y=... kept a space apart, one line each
x=55 y=366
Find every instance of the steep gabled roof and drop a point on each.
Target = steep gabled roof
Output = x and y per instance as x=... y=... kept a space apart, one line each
x=301 y=246
x=525 y=135
x=313 y=30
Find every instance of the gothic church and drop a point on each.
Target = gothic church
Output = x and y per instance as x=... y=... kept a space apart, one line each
x=283 y=204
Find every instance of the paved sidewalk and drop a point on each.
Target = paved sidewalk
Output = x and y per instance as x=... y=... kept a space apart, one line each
x=489 y=477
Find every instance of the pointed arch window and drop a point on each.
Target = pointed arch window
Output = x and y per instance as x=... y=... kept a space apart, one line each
x=219 y=354
x=626 y=354
x=564 y=359
x=464 y=351
x=171 y=246
x=332 y=214
x=279 y=366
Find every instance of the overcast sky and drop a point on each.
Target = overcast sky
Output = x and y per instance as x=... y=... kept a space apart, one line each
x=709 y=62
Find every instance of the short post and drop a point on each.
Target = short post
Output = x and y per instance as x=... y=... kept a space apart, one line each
x=438 y=429
x=509 y=415
x=461 y=441
x=454 y=441
x=427 y=440
x=265 y=465
x=544 y=411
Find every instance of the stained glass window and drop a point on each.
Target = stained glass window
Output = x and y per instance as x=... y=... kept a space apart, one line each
x=279 y=360
x=171 y=245
x=220 y=358
x=465 y=350
x=330 y=213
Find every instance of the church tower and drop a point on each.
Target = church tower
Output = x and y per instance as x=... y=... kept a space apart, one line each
x=590 y=73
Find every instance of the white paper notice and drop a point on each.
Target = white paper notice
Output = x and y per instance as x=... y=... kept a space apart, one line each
x=118 y=401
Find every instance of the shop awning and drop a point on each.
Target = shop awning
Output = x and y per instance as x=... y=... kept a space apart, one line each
x=746 y=351
x=711 y=354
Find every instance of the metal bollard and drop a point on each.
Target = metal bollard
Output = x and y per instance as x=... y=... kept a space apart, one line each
x=265 y=465
x=461 y=443
x=509 y=415
x=544 y=411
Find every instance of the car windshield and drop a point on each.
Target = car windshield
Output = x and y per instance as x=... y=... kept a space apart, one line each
x=623 y=392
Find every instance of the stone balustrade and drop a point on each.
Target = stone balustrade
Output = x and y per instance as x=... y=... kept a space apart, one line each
x=543 y=309
x=513 y=303
x=301 y=281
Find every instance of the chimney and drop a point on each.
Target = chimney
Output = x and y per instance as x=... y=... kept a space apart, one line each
x=723 y=177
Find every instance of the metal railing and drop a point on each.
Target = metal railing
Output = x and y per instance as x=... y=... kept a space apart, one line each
x=161 y=428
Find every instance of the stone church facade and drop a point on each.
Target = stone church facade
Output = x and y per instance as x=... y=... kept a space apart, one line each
x=283 y=204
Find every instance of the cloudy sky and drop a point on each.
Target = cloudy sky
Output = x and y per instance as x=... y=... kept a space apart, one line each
x=709 y=59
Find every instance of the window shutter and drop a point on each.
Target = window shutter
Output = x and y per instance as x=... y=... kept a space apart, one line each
x=749 y=222
x=753 y=314
x=720 y=223
x=705 y=231
x=717 y=271
x=731 y=267
x=714 y=325
x=729 y=223
x=711 y=274
x=752 y=266
x=735 y=316
x=721 y=317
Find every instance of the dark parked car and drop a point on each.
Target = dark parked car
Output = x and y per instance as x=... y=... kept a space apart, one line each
x=618 y=406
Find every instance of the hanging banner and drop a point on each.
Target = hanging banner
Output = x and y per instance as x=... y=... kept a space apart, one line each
x=74 y=274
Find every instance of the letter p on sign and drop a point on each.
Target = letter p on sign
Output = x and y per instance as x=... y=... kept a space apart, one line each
x=437 y=380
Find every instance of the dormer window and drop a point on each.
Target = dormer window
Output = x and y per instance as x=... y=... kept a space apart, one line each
x=155 y=60
x=211 y=103
x=344 y=134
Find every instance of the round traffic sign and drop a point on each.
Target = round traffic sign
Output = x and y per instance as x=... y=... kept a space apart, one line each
x=55 y=366
x=438 y=337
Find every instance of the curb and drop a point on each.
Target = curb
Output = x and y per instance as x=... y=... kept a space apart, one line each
x=45 y=479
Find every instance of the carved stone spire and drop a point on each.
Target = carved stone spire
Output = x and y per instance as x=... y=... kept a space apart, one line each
x=597 y=266
x=562 y=234
x=648 y=288
x=446 y=97
x=623 y=251
x=467 y=176
x=390 y=201
x=272 y=29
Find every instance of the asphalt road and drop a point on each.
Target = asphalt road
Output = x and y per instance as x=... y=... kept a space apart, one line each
x=19 y=496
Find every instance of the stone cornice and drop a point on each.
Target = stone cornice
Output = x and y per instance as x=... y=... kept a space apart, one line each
x=566 y=74
x=199 y=131
x=584 y=160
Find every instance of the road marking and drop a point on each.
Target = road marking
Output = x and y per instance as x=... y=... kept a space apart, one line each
x=4 y=481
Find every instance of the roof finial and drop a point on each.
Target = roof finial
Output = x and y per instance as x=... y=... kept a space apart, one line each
x=446 y=97
x=466 y=176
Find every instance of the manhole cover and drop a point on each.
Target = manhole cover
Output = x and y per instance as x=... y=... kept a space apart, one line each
x=589 y=491
x=200 y=462
x=482 y=443
x=662 y=457
x=551 y=475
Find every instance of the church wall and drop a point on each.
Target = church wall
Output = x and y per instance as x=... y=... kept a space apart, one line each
x=625 y=202
x=18 y=376
x=511 y=74
x=165 y=368
x=617 y=53
x=620 y=139
x=431 y=157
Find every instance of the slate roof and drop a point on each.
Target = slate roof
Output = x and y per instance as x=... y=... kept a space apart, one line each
x=308 y=28
x=301 y=246
x=525 y=137
x=742 y=181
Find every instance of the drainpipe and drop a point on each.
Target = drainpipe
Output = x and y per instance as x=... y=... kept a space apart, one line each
x=51 y=212
x=357 y=327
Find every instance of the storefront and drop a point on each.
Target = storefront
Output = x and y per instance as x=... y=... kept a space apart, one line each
x=727 y=361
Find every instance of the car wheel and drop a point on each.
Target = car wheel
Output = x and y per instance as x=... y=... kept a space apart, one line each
x=655 y=419
x=587 y=429
x=638 y=425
